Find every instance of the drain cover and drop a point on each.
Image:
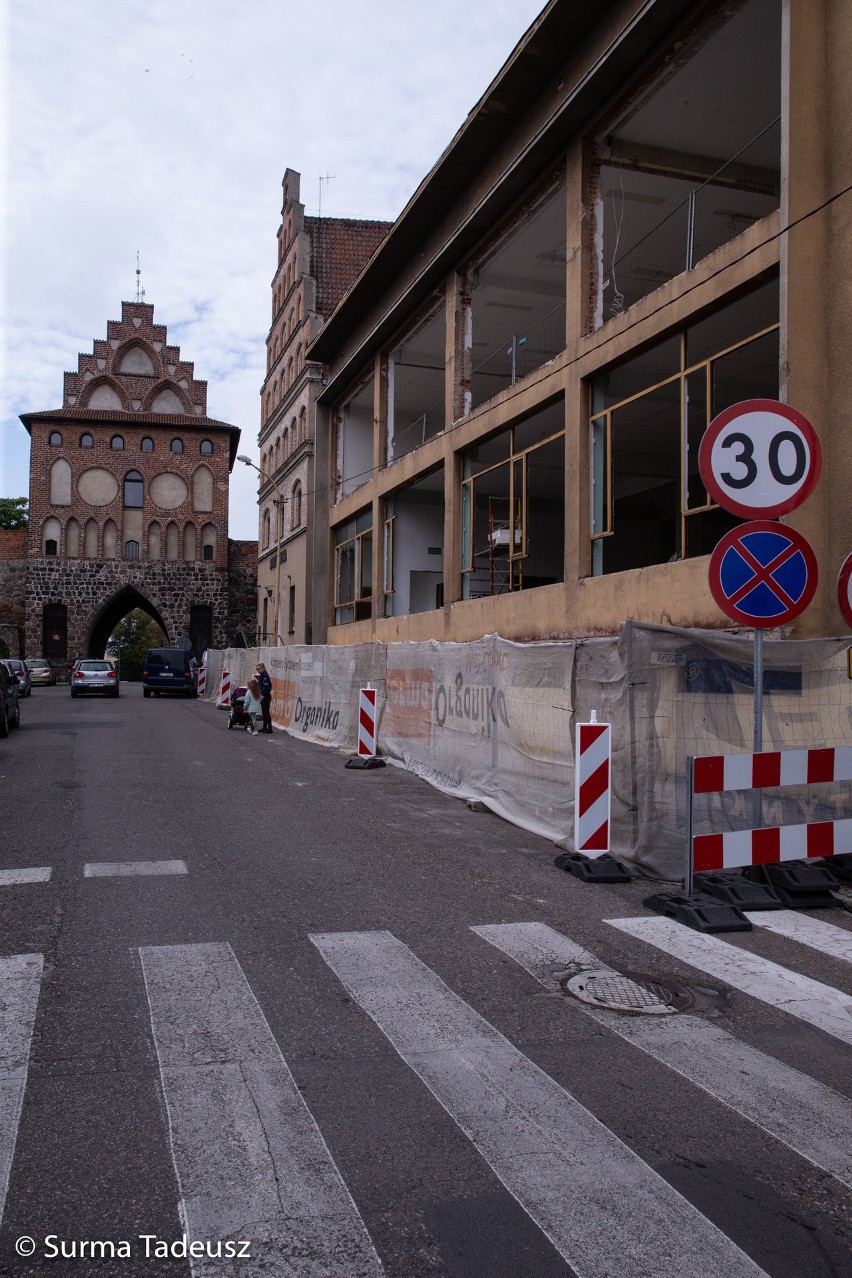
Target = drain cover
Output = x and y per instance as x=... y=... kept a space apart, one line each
x=619 y=994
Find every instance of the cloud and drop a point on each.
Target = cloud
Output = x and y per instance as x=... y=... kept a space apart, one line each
x=166 y=127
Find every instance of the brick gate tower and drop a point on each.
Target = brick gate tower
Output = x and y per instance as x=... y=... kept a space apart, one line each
x=129 y=501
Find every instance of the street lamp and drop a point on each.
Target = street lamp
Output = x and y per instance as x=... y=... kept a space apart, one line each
x=279 y=504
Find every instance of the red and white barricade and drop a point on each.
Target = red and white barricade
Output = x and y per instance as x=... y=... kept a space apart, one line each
x=367 y=723
x=223 y=701
x=714 y=774
x=202 y=680
x=592 y=772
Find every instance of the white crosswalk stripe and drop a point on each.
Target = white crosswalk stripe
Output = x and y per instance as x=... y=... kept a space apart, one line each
x=808 y=1117
x=20 y=978
x=819 y=1005
x=815 y=933
x=624 y=1219
x=250 y=1160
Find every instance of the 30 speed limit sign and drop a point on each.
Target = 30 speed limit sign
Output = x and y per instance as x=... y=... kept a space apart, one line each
x=760 y=459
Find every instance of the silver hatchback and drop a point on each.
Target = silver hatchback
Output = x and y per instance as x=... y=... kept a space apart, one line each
x=94 y=676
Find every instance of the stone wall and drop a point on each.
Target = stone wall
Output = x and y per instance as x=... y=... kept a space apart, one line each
x=242 y=590
x=91 y=590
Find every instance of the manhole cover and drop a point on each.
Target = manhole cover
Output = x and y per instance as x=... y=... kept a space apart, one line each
x=620 y=994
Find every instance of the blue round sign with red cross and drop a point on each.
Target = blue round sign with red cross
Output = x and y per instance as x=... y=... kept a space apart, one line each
x=763 y=574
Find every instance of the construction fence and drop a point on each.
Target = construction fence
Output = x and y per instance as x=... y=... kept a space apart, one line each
x=493 y=720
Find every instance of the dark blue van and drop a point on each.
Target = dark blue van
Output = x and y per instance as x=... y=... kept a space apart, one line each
x=170 y=670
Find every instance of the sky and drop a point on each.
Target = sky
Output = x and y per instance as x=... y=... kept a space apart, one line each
x=164 y=129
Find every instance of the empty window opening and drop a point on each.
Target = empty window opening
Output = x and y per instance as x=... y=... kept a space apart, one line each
x=353 y=424
x=416 y=391
x=513 y=507
x=692 y=161
x=414 y=547
x=649 y=504
x=353 y=569
x=517 y=297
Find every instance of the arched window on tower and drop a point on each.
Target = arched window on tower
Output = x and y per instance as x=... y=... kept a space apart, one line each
x=134 y=492
x=51 y=535
x=267 y=529
x=54 y=439
x=296 y=505
x=131 y=549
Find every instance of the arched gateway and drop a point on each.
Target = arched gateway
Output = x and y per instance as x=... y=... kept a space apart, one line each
x=129 y=503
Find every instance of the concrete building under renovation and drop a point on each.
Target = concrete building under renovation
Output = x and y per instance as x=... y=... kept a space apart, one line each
x=644 y=220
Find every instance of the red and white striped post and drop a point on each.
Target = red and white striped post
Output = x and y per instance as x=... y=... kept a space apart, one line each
x=224 y=701
x=367 y=723
x=202 y=679
x=592 y=769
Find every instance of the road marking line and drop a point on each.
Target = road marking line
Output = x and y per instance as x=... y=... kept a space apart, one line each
x=250 y=1160
x=826 y=937
x=20 y=977
x=808 y=1117
x=819 y=1005
x=121 y=869
x=604 y=1209
x=38 y=874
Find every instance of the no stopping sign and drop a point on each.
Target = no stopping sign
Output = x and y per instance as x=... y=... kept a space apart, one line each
x=760 y=459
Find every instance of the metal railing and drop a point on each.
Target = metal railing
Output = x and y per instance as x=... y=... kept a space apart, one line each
x=519 y=355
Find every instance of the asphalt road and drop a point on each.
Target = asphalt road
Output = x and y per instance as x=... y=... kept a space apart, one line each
x=296 y=1039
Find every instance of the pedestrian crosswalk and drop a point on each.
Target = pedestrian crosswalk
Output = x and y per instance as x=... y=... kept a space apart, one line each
x=251 y=1160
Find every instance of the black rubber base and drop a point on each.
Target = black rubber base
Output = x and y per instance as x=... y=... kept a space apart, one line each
x=735 y=889
x=597 y=869
x=365 y=763
x=701 y=912
x=803 y=885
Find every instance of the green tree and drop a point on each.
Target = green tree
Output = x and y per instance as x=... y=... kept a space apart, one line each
x=130 y=641
x=14 y=512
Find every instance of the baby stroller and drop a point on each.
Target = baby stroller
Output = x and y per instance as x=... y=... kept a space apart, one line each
x=237 y=718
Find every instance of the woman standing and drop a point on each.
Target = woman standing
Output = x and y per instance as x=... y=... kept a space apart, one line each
x=265 y=684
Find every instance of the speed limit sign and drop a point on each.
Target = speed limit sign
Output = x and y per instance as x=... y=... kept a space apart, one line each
x=760 y=459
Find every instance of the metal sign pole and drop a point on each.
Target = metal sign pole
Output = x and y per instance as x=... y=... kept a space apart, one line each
x=757 y=796
x=690 y=782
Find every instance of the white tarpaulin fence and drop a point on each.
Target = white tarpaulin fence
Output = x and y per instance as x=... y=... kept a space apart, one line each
x=494 y=720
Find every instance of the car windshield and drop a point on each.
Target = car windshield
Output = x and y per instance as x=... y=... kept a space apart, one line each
x=174 y=660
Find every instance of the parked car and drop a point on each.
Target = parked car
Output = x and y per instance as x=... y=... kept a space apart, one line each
x=19 y=670
x=41 y=671
x=10 y=708
x=90 y=675
x=170 y=670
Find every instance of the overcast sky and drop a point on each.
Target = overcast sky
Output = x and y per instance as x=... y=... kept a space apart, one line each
x=165 y=127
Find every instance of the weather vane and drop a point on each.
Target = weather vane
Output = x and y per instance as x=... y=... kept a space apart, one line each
x=140 y=291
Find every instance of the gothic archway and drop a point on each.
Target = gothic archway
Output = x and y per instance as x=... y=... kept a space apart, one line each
x=123 y=602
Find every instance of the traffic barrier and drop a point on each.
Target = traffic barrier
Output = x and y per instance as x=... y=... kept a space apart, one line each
x=202 y=681
x=592 y=755
x=366 y=757
x=717 y=902
x=366 y=723
x=224 y=699
x=714 y=774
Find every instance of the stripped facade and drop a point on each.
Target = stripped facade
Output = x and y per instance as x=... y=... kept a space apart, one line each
x=641 y=223
x=317 y=259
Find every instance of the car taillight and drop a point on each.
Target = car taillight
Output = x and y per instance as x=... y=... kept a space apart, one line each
x=187 y=674
x=144 y=674
x=112 y=674
x=78 y=674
